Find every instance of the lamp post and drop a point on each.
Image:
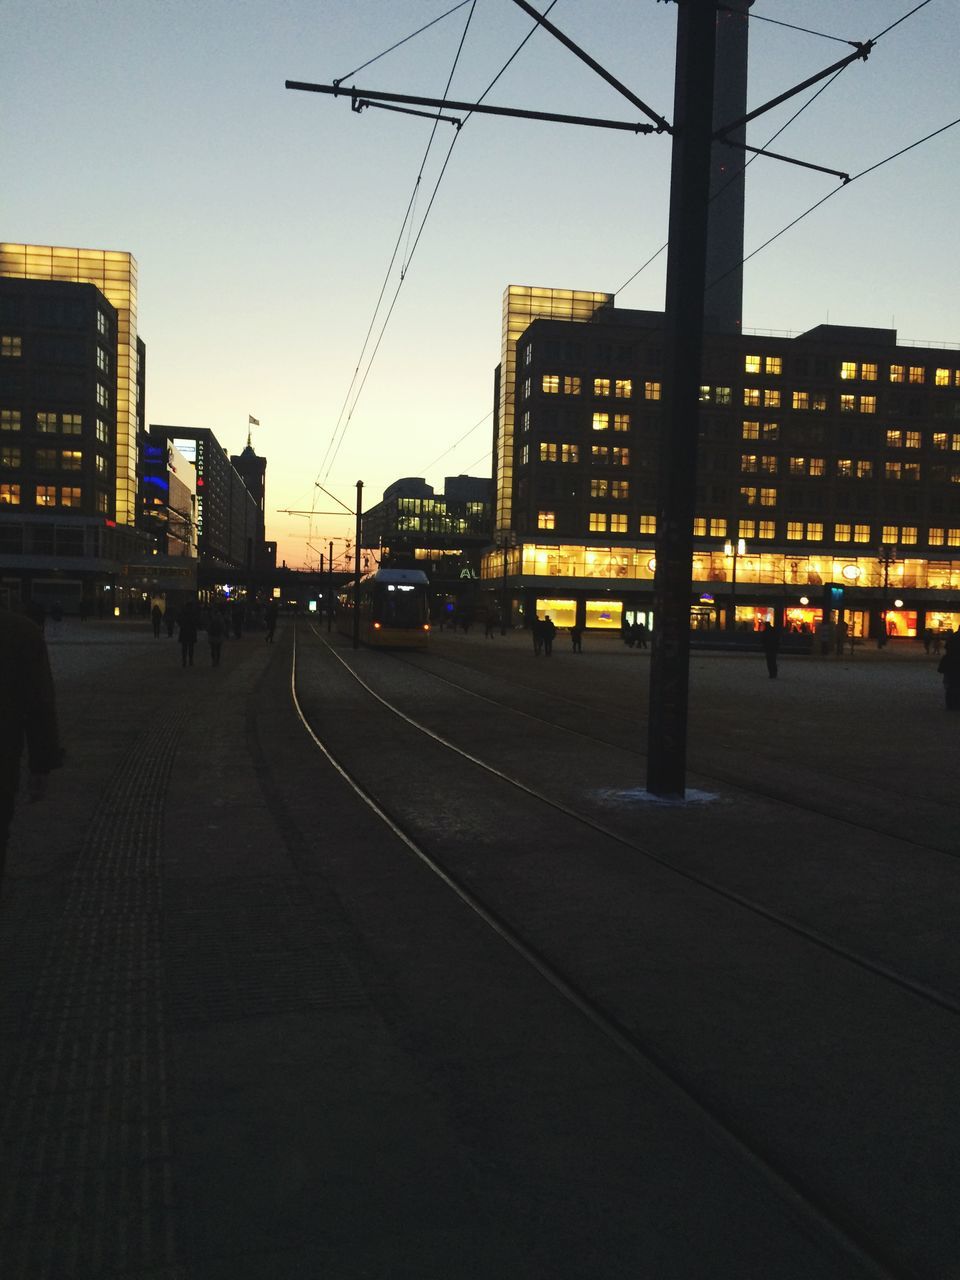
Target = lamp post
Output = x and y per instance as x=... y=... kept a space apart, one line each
x=504 y=539
x=886 y=555
x=736 y=550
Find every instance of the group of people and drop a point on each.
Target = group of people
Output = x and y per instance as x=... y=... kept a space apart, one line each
x=217 y=621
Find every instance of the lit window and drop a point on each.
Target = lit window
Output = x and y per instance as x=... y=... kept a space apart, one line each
x=601 y=421
x=10 y=421
x=798 y=466
x=771 y=399
x=103 y=360
x=908 y=535
x=841 y=533
x=748 y=496
x=621 y=422
x=748 y=462
x=524 y=455
x=526 y=387
x=548 y=451
x=771 y=431
x=71 y=460
x=940 y=440
x=848 y=403
x=844 y=466
x=751 y=431
x=599 y=488
x=718 y=527
x=751 y=396
x=801 y=399
x=103 y=503
x=773 y=365
x=864 y=469
x=941 y=378
x=817 y=466
x=620 y=489
x=723 y=395
x=894 y=439
x=546 y=519
x=935 y=537
x=897 y=373
x=848 y=369
x=598 y=522
x=651 y=390
x=101 y=322
x=916 y=374
x=815 y=531
x=768 y=497
x=526 y=422
x=9 y=495
x=618 y=523
x=528 y=353
x=751 y=364
x=818 y=402
x=46 y=495
x=71 y=424
x=861 y=533
x=10 y=456
x=794 y=530
x=103 y=396
x=648 y=524
x=569 y=453
x=70 y=497
x=621 y=456
x=868 y=404
x=955 y=443
x=623 y=388
x=599 y=455
x=601 y=386
x=890 y=533
x=891 y=471
x=571 y=385
x=699 y=526
x=953 y=537
x=768 y=529
x=911 y=439
x=868 y=371
x=11 y=346
x=704 y=394
x=46 y=423
x=551 y=384
x=768 y=463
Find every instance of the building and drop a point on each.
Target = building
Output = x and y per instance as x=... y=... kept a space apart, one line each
x=252 y=470
x=829 y=472
x=71 y=399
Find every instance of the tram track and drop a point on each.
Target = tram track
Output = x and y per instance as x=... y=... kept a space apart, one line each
x=802 y=1200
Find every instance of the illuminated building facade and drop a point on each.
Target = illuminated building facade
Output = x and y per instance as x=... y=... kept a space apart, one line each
x=827 y=461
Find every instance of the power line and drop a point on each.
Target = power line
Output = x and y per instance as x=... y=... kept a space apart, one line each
x=476 y=426
x=420 y=31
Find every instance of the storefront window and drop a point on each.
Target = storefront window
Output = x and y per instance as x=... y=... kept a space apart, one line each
x=604 y=615
x=563 y=613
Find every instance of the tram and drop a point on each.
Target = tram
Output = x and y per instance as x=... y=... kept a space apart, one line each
x=394 y=609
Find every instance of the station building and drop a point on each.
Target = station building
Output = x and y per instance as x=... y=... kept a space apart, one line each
x=828 y=475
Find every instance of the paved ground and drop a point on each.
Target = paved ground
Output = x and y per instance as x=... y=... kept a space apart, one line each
x=207 y=1051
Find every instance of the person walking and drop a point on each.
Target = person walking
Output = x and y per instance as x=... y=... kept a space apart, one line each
x=949 y=668
x=549 y=631
x=770 y=640
x=576 y=639
x=28 y=717
x=270 y=620
x=156 y=617
x=188 y=633
x=536 y=630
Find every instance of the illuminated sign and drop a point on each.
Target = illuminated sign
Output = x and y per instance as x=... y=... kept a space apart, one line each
x=187 y=447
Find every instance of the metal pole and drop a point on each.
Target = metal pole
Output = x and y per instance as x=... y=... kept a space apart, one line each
x=330 y=588
x=686 y=271
x=505 y=603
x=356 y=569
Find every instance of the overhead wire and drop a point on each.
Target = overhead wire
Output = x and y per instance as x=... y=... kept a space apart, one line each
x=476 y=426
x=370 y=61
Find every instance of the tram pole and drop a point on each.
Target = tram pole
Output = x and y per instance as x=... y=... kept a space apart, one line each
x=685 y=285
x=330 y=588
x=356 y=570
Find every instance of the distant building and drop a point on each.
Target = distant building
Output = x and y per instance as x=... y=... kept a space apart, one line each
x=252 y=470
x=834 y=456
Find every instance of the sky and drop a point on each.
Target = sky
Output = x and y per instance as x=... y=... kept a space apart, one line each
x=264 y=220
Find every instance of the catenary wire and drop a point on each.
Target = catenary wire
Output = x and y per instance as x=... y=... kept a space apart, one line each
x=777 y=22
x=476 y=426
x=419 y=31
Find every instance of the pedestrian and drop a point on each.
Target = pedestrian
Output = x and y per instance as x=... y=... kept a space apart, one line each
x=937 y=641
x=536 y=630
x=169 y=620
x=949 y=668
x=641 y=633
x=491 y=622
x=27 y=716
x=270 y=620
x=841 y=637
x=770 y=640
x=576 y=639
x=549 y=631
x=156 y=617
x=216 y=626
x=927 y=640
x=188 y=633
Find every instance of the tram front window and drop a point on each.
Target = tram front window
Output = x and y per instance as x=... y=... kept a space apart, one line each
x=399 y=605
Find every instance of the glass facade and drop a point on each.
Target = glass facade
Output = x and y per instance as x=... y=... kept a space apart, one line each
x=115 y=274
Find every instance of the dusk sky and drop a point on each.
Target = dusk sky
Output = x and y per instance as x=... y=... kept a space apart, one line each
x=263 y=220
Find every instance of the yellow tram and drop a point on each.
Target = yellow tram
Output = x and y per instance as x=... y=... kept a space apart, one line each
x=394 y=609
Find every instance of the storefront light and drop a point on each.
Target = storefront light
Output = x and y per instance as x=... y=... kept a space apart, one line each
x=898 y=604
x=851 y=572
x=652 y=564
x=804 y=600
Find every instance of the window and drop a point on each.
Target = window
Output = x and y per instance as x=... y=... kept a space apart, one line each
x=751 y=396
x=911 y=471
x=699 y=526
x=894 y=439
x=940 y=440
x=751 y=431
x=768 y=463
x=953 y=537
x=526 y=423
x=46 y=423
x=46 y=495
x=11 y=346
x=71 y=459
x=620 y=489
x=748 y=496
x=768 y=529
x=868 y=404
x=601 y=386
x=818 y=402
x=102 y=323
x=623 y=388
x=916 y=374
x=103 y=503
x=771 y=398
x=941 y=378
x=848 y=403
x=864 y=469
x=103 y=360
x=548 y=451
x=770 y=431
x=620 y=456
x=723 y=396
x=861 y=533
x=599 y=488
x=524 y=455
x=569 y=453
x=798 y=466
x=598 y=522
x=69 y=497
x=621 y=422
x=526 y=387
x=816 y=466
x=599 y=455
x=618 y=523
x=768 y=497
x=841 y=533
x=46 y=459
x=648 y=524
x=891 y=471
x=745 y=528
x=844 y=466
x=10 y=456
x=551 y=384
x=546 y=519
x=601 y=421
x=897 y=373
x=801 y=399
x=748 y=462
x=815 y=531
x=935 y=537
x=102 y=468
x=71 y=424
x=10 y=421
x=868 y=371
x=848 y=369
x=528 y=353
x=571 y=385
x=908 y=535
x=794 y=530
x=9 y=494
x=718 y=527
x=911 y=439
x=890 y=533
x=103 y=396
x=751 y=364
x=773 y=365
x=651 y=391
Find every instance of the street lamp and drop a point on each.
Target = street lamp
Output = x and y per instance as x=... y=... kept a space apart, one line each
x=886 y=555
x=736 y=550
